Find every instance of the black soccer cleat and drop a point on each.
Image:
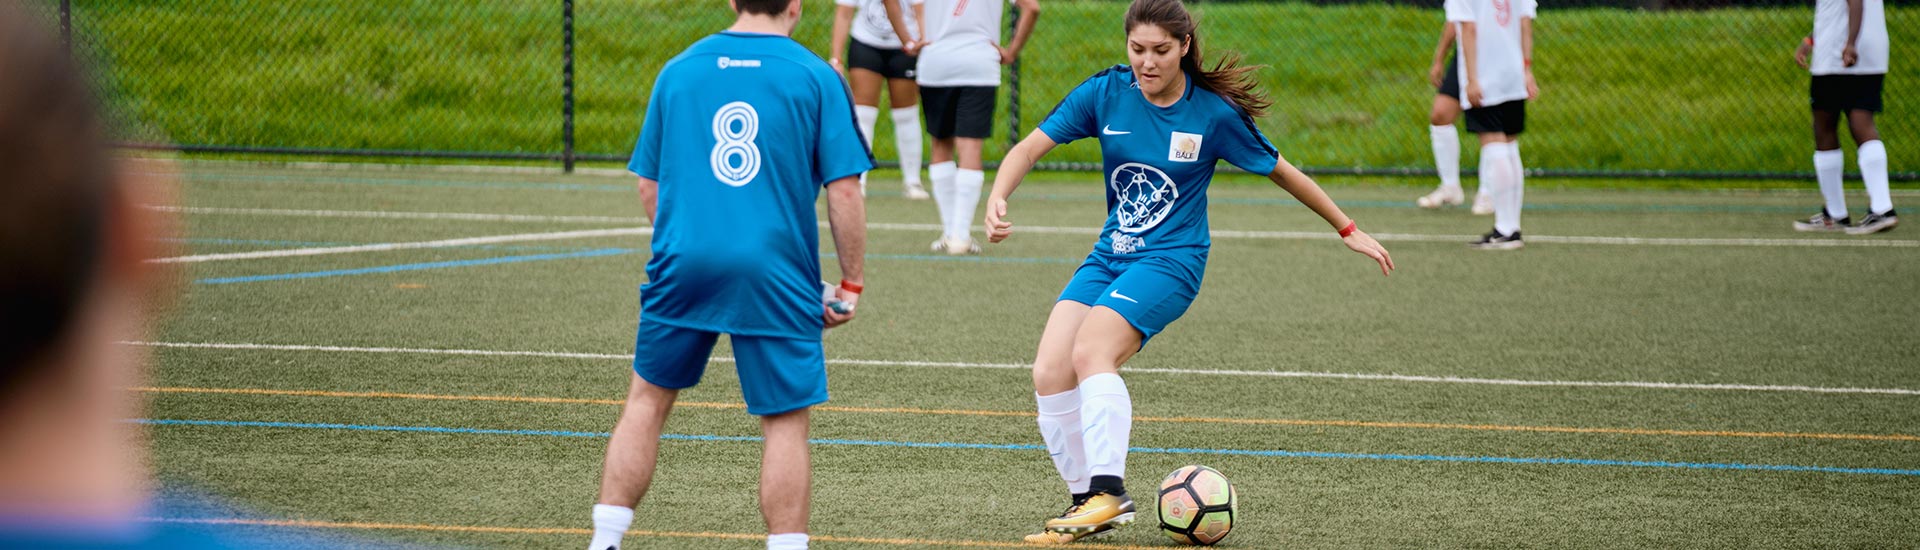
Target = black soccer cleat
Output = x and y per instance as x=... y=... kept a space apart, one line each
x=1494 y=240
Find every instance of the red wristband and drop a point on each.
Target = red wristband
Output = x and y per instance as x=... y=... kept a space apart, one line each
x=850 y=286
x=1348 y=230
x=1809 y=41
x=1528 y=63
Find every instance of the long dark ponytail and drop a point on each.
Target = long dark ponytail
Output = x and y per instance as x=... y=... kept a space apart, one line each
x=1228 y=78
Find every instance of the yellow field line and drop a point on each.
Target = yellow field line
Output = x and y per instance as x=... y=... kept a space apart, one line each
x=963 y=412
x=311 y=524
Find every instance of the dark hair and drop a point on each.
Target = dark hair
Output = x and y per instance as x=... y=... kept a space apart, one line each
x=761 y=7
x=56 y=175
x=1227 y=78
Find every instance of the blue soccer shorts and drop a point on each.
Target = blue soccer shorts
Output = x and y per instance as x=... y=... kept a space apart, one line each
x=1148 y=291
x=777 y=375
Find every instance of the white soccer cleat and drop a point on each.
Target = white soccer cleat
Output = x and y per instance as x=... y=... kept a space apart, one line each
x=1441 y=197
x=1482 y=205
x=962 y=247
x=939 y=245
x=914 y=192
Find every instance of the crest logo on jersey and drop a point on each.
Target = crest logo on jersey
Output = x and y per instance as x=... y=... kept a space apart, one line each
x=728 y=63
x=1503 y=11
x=1145 y=196
x=1184 y=147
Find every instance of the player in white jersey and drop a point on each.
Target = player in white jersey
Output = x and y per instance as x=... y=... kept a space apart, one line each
x=1445 y=77
x=1847 y=54
x=959 y=75
x=1496 y=76
x=878 y=56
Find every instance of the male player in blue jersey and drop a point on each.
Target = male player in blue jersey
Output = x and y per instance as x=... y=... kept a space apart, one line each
x=742 y=131
x=1163 y=122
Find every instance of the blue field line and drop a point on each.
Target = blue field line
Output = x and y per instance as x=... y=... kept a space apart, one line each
x=414 y=183
x=964 y=259
x=318 y=244
x=1552 y=461
x=417 y=267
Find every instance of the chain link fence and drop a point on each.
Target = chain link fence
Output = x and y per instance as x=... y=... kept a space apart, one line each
x=1630 y=88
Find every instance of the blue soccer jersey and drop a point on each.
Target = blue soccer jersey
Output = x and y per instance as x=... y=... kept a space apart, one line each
x=1158 y=160
x=742 y=131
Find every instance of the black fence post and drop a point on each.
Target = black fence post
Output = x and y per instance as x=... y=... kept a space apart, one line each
x=566 y=85
x=1013 y=86
x=66 y=25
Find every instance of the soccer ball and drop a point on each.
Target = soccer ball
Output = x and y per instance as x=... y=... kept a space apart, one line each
x=1197 y=505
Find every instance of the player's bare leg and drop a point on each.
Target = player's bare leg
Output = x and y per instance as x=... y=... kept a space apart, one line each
x=786 y=472
x=904 y=96
x=1104 y=342
x=1500 y=176
x=969 y=178
x=632 y=453
x=1446 y=154
x=1055 y=388
x=1829 y=163
x=941 y=171
x=1871 y=155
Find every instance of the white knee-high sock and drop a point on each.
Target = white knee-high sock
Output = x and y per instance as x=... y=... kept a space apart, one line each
x=1828 y=167
x=1872 y=157
x=1517 y=201
x=906 y=137
x=1107 y=411
x=942 y=175
x=966 y=198
x=1061 y=428
x=1446 y=154
x=868 y=116
x=787 y=541
x=1496 y=178
x=609 y=526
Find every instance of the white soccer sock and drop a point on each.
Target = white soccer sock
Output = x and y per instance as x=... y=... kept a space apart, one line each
x=1107 y=410
x=1446 y=154
x=1519 y=181
x=787 y=541
x=942 y=175
x=1828 y=167
x=1872 y=157
x=868 y=116
x=1060 y=427
x=906 y=137
x=966 y=198
x=1496 y=179
x=609 y=525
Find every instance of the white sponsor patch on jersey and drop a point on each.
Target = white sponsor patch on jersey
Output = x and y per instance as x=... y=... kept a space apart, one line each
x=729 y=63
x=1185 y=147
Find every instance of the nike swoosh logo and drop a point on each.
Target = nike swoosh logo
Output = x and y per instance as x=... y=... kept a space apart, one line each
x=1116 y=294
x=1108 y=131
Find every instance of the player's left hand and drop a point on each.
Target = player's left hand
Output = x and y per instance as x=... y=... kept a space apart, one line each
x=1363 y=243
x=852 y=301
x=998 y=228
x=1006 y=55
x=1849 y=56
x=911 y=47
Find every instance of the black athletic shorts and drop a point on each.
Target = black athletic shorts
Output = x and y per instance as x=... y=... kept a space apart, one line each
x=893 y=63
x=961 y=111
x=1450 y=84
x=1508 y=118
x=1839 y=93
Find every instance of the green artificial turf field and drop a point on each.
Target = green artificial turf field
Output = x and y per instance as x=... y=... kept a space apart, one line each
x=1528 y=405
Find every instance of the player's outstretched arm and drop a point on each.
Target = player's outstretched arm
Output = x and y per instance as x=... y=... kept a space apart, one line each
x=1309 y=193
x=1438 y=72
x=1013 y=169
x=847 y=219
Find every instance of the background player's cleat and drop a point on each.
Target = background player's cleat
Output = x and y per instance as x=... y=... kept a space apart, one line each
x=1493 y=240
x=1873 y=223
x=1441 y=197
x=1050 y=537
x=914 y=192
x=1482 y=205
x=1822 y=222
x=1099 y=513
x=939 y=245
x=962 y=246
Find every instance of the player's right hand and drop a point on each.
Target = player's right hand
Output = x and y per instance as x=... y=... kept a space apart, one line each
x=1437 y=74
x=1800 y=54
x=852 y=301
x=1360 y=241
x=1473 y=94
x=911 y=47
x=998 y=228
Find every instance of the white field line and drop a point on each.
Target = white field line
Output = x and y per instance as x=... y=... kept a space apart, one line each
x=1022 y=366
x=1218 y=233
x=468 y=241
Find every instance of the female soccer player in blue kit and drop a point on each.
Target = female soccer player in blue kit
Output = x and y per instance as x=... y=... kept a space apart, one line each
x=1163 y=121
